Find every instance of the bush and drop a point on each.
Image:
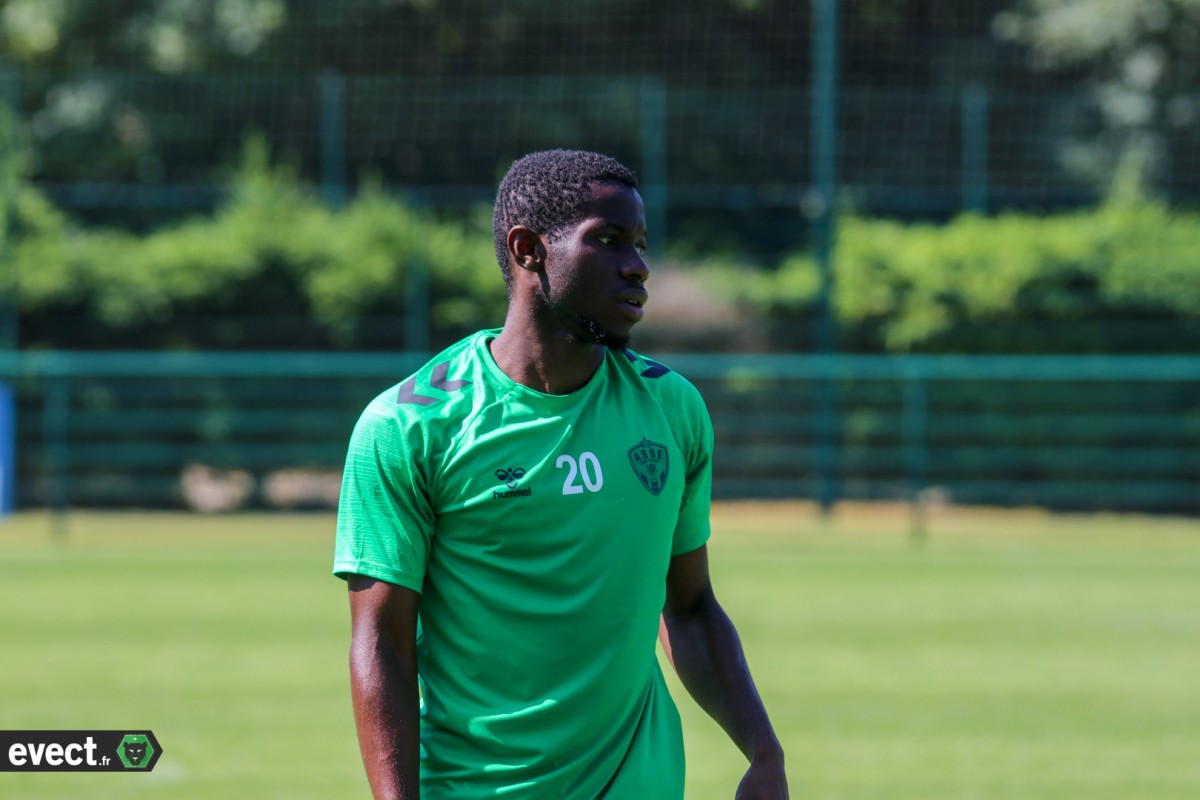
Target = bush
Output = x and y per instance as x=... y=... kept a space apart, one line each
x=1123 y=277
x=271 y=249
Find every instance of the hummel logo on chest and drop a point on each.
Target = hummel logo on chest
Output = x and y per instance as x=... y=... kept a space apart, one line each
x=511 y=476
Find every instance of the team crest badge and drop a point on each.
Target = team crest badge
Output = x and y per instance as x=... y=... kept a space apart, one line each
x=651 y=464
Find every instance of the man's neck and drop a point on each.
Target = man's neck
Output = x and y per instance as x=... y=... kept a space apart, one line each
x=549 y=362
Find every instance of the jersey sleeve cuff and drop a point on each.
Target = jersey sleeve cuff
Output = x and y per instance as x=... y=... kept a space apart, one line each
x=694 y=542
x=344 y=569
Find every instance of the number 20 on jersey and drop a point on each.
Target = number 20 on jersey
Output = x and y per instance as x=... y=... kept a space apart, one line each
x=582 y=473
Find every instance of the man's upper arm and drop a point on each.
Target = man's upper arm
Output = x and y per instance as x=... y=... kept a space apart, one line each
x=688 y=582
x=379 y=609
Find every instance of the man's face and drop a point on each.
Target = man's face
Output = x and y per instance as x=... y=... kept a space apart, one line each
x=594 y=269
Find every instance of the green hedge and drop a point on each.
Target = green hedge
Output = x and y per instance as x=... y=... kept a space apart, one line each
x=271 y=248
x=1122 y=277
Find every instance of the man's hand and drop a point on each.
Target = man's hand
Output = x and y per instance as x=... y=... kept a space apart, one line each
x=765 y=780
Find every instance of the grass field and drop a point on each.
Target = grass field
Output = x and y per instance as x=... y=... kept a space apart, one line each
x=1009 y=655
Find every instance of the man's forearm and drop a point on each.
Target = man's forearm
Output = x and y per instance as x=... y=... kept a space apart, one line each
x=708 y=657
x=386 y=713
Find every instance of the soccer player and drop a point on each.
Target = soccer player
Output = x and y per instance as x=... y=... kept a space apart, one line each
x=516 y=516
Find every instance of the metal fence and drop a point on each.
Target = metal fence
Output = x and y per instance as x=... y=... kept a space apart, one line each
x=916 y=151
x=269 y=430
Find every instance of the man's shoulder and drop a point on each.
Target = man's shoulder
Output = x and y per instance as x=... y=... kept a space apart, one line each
x=443 y=382
x=441 y=388
x=658 y=378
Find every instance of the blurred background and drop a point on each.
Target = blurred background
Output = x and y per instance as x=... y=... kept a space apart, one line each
x=906 y=248
x=933 y=264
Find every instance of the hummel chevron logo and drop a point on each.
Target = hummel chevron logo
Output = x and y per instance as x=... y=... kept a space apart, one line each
x=653 y=369
x=437 y=380
x=510 y=477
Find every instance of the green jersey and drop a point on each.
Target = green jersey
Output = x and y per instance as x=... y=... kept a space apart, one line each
x=538 y=529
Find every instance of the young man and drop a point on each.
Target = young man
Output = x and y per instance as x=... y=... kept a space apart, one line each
x=516 y=516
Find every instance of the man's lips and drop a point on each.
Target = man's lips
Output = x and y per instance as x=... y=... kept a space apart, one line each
x=632 y=303
x=634 y=297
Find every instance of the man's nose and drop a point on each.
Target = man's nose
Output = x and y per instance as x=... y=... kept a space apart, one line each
x=636 y=269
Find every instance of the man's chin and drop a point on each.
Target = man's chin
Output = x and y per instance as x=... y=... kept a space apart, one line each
x=615 y=342
x=601 y=335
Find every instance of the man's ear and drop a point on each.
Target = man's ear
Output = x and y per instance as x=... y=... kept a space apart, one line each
x=525 y=249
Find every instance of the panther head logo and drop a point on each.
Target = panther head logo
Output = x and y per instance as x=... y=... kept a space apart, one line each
x=134 y=751
x=510 y=476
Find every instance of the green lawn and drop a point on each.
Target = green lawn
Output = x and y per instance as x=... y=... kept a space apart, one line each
x=1009 y=655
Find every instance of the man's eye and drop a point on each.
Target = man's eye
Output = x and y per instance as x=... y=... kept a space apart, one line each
x=641 y=248
x=606 y=240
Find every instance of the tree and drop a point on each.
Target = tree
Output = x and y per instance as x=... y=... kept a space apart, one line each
x=163 y=35
x=1142 y=59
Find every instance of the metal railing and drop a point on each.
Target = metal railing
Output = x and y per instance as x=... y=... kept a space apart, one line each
x=1077 y=432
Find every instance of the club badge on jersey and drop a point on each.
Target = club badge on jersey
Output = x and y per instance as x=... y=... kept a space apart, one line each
x=651 y=463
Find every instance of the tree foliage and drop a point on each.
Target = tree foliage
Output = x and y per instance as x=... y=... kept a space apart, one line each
x=1142 y=58
x=1121 y=278
x=271 y=249
x=1124 y=277
x=164 y=35
x=1080 y=281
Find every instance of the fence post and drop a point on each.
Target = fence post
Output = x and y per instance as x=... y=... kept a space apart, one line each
x=10 y=179
x=916 y=453
x=975 y=148
x=819 y=207
x=8 y=447
x=826 y=435
x=654 y=158
x=416 y=304
x=56 y=419
x=10 y=75
x=332 y=93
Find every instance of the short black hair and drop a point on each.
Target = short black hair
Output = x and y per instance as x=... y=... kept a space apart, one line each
x=547 y=192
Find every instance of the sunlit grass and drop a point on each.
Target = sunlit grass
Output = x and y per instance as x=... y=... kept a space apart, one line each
x=1004 y=655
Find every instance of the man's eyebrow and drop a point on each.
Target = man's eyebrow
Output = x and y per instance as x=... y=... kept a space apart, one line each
x=607 y=223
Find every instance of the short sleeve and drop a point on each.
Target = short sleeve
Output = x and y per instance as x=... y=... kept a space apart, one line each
x=385 y=517
x=692 y=529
